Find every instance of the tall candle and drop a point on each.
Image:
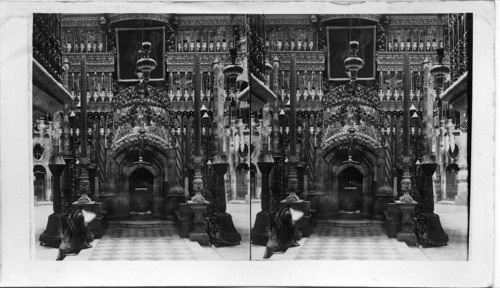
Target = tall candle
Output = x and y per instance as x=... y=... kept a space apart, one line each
x=110 y=83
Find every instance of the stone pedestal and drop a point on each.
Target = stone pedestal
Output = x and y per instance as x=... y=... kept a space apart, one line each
x=175 y=198
x=199 y=233
x=52 y=236
x=260 y=231
x=185 y=218
x=383 y=197
x=96 y=226
x=407 y=233
x=262 y=227
x=392 y=222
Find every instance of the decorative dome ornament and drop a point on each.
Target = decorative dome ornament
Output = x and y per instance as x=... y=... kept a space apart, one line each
x=353 y=63
x=440 y=71
x=145 y=63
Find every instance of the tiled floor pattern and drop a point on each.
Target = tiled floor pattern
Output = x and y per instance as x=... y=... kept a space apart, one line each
x=129 y=244
x=337 y=243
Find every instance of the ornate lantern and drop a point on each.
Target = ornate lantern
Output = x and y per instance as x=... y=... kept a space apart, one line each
x=353 y=63
x=146 y=64
x=440 y=71
x=233 y=70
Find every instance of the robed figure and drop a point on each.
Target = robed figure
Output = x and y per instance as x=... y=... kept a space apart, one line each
x=75 y=236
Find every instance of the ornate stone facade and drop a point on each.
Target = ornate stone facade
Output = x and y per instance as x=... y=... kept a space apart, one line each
x=331 y=160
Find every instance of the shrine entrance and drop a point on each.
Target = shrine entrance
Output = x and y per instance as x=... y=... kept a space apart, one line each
x=350 y=188
x=141 y=191
x=139 y=182
x=352 y=183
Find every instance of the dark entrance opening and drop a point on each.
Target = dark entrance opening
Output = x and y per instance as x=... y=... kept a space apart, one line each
x=253 y=181
x=451 y=183
x=350 y=190
x=241 y=181
x=39 y=182
x=141 y=191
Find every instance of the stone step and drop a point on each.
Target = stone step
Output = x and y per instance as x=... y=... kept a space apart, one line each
x=138 y=224
x=354 y=223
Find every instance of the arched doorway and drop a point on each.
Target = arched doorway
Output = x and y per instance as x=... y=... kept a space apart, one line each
x=39 y=182
x=241 y=181
x=350 y=190
x=451 y=182
x=141 y=191
x=253 y=181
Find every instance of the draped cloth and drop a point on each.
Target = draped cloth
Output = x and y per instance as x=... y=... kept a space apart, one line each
x=430 y=233
x=75 y=236
x=282 y=235
x=221 y=230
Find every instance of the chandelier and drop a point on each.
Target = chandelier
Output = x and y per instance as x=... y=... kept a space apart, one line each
x=146 y=64
x=353 y=63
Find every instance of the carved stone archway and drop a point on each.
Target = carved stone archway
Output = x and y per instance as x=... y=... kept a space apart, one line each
x=367 y=164
x=155 y=160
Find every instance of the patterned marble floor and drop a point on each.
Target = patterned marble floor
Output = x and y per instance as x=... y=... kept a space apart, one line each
x=334 y=243
x=129 y=244
x=337 y=243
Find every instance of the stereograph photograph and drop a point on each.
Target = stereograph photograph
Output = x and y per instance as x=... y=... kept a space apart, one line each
x=248 y=138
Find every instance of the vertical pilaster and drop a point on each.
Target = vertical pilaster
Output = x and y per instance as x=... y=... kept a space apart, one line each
x=293 y=182
x=84 y=185
x=406 y=181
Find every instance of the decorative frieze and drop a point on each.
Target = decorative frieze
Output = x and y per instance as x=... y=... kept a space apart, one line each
x=288 y=19
x=184 y=62
x=212 y=20
x=306 y=60
x=81 y=20
x=393 y=61
x=96 y=62
x=114 y=18
x=412 y=20
x=371 y=17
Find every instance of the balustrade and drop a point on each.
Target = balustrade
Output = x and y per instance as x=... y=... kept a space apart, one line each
x=47 y=43
x=458 y=35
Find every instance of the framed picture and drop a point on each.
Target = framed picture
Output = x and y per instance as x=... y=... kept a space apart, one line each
x=338 y=39
x=129 y=42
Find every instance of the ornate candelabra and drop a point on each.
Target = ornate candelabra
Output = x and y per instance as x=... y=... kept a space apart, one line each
x=428 y=226
x=52 y=236
x=406 y=202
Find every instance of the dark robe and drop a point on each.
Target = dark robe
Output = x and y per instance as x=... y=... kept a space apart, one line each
x=282 y=235
x=75 y=236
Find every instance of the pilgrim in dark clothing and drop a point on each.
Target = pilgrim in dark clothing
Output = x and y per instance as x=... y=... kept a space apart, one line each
x=75 y=236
